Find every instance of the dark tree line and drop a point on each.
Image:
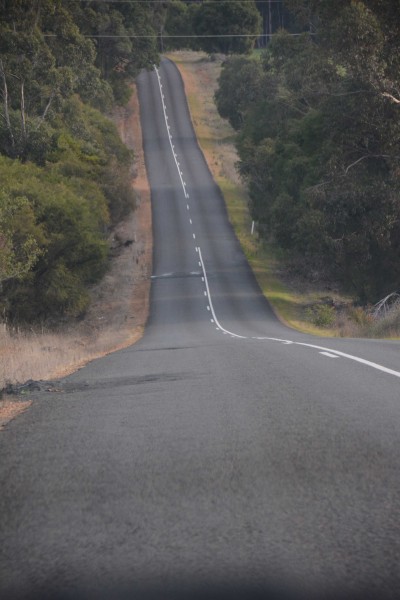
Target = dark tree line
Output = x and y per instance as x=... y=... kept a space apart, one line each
x=212 y=26
x=318 y=121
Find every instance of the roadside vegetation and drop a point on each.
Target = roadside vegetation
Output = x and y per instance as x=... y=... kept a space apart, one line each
x=118 y=308
x=316 y=125
x=66 y=175
x=66 y=195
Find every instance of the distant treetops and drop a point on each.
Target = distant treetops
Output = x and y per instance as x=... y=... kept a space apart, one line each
x=318 y=121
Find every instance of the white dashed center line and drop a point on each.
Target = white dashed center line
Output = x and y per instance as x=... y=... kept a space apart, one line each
x=329 y=354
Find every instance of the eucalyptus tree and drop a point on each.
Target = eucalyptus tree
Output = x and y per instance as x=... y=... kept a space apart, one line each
x=227 y=27
x=319 y=147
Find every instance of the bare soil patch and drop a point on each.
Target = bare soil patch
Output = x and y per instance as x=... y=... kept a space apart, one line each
x=120 y=302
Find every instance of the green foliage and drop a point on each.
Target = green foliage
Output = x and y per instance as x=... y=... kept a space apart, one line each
x=20 y=237
x=47 y=56
x=318 y=145
x=119 y=54
x=240 y=87
x=225 y=18
x=63 y=231
x=321 y=315
x=70 y=178
x=89 y=147
x=218 y=25
x=179 y=22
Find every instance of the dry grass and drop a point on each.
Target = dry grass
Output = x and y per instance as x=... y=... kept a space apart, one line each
x=37 y=356
x=120 y=302
x=10 y=409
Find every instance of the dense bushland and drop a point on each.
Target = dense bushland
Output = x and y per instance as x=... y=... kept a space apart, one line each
x=212 y=25
x=318 y=121
x=65 y=174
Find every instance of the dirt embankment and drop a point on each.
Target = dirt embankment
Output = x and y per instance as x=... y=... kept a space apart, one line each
x=120 y=302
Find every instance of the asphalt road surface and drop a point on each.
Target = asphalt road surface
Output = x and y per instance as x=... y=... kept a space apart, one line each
x=224 y=455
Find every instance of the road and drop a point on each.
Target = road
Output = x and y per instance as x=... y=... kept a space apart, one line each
x=222 y=454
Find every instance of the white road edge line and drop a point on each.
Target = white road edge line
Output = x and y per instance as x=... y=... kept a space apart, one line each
x=352 y=357
x=335 y=353
x=210 y=301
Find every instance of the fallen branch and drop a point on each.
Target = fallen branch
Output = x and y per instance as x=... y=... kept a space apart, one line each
x=391 y=97
x=364 y=157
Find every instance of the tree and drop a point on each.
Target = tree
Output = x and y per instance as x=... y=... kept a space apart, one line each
x=51 y=236
x=125 y=37
x=179 y=22
x=20 y=238
x=38 y=74
x=319 y=146
x=227 y=27
x=240 y=86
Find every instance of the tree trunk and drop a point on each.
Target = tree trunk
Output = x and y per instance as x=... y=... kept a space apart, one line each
x=5 y=100
x=23 y=119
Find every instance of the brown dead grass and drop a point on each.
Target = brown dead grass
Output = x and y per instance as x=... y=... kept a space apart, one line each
x=120 y=302
x=9 y=409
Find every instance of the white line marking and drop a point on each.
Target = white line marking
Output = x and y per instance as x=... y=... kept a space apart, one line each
x=355 y=358
x=210 y=301
x=329 y=354
x=286 y=342
x=194 y=236
x=168 y=131
x=190 y=221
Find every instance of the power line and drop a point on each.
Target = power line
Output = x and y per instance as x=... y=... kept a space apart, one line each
x=164 y=36
x=166 y=1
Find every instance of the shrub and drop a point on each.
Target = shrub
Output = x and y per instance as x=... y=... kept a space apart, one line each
x=321 y=315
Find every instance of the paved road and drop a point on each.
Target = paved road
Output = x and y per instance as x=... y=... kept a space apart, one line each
x=223 y=453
